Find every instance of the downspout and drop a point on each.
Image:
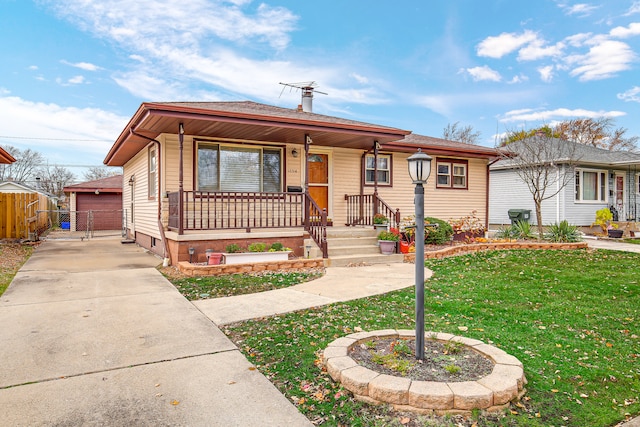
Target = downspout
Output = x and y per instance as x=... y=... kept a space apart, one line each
x=165 y=250
x=486 y=198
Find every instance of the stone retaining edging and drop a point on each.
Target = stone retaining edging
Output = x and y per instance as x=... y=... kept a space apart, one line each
x=492 y=392
x=475 y=247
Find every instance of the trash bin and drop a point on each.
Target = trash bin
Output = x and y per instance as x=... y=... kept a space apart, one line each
x=518 y=215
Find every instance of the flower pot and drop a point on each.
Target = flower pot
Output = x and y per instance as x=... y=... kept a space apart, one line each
x=214 y=258
x=404 y=247
x=615 y=233
x=387 y=247
x=253 y=257
x=381 y=227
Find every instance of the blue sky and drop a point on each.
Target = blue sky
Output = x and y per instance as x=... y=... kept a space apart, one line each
x=74 y=71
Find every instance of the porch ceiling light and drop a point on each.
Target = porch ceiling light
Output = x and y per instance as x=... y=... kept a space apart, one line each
x=419 y=167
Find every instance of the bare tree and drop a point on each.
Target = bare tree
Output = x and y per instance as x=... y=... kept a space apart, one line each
x=24 y=169
x=99 y=172
x=545 y=164
x=466 y=134
x=599 y=133
x=53 y=179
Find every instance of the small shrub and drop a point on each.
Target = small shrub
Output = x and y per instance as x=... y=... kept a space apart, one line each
x=401 y=348
x=563 y=232
x=604 y=217
x=232 y=249
x=277 y=247
x=452 y=369
x=257 y=247
x=370 y=344
x=522 y=230
x=505 y=233
x=453 y=347
x=437 y=235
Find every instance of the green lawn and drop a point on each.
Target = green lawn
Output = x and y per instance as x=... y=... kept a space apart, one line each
x=194 y=288
x=571 y=317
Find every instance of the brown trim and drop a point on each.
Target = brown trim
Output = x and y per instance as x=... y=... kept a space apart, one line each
x=452 y=161
x=364 y=171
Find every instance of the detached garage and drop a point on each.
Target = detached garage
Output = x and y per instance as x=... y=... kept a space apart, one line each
x=98 y=204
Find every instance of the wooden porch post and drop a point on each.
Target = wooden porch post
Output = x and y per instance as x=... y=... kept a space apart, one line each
x=180 y=180
x=307 y=142
x=376 y=147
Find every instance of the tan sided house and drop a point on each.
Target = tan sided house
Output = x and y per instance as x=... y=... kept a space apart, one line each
x=203 y=175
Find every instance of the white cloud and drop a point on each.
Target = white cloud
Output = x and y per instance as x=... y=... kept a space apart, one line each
x=505 y=43
x=32 y=67
x=635 y=8
x=603 y=60
x=529 y=115
x=82 y=65
x=632 y=94
x=537 y=50
x=484 y=73
x=178 y=23
x=546 y=73
x=625 y=32
x=360 y=79
x=518 y=79
x=75 y=80
x=57 y=128
x=582 y=9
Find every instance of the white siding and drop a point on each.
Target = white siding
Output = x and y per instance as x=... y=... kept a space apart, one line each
x=508 y=191
x=145 y=208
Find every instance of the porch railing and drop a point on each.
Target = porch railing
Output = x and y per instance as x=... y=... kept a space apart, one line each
x=199 y=210
x=362 y=207
x=235 y=210
x=316 y=225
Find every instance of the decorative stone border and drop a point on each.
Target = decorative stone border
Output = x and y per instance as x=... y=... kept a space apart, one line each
x=475 y=247
x=492 y=392
x=220 y=269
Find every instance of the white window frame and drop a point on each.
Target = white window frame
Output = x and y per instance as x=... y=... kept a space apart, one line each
x=152 y=176
x=451 y=165
x=602 y=186
x=387 y=170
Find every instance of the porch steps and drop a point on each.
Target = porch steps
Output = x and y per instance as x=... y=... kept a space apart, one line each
x=356 y=245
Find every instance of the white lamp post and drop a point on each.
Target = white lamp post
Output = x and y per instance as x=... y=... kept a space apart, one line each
x=419 y=171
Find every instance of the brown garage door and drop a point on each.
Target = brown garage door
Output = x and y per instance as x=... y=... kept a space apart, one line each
x=106 y=209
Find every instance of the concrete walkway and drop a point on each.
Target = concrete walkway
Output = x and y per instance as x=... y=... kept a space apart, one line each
x=93 y=335
x=338 y=284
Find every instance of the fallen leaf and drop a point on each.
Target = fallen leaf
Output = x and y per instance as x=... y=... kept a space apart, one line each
x=463 y=328
x=405 y=420
x=252 y=368
x=554 y=390
x=175 y=402
x=231 y=382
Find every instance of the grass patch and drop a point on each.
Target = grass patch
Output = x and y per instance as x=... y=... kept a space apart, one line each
x=571 y=317
x=632 y=241
x=194 y=288
x=13 y=256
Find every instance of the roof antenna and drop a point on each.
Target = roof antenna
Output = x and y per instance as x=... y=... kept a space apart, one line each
x=307 y=88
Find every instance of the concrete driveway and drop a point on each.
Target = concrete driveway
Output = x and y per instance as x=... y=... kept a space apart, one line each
x=92 y=334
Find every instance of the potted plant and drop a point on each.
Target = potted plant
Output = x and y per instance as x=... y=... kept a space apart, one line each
x=604 y=219
x=380 y=222
x=387 y=240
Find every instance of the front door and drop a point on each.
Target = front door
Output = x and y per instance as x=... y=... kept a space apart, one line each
x=619 y=193
x=319 y=179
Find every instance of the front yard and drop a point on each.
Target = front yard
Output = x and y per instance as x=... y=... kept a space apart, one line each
x=571 y=317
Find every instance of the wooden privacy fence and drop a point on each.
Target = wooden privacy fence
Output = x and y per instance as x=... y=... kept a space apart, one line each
x=18 y=218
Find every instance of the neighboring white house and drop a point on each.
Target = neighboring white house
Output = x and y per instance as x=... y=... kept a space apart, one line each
x=600 y=178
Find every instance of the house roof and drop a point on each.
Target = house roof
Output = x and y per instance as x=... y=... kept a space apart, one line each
x=111 y=184
x=245 y=120
x=24 y=187
x=6 y=158
x=443 y=147
x=566 y=151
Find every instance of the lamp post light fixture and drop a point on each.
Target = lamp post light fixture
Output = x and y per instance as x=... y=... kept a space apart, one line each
x=191 y=252
x=419 y=171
